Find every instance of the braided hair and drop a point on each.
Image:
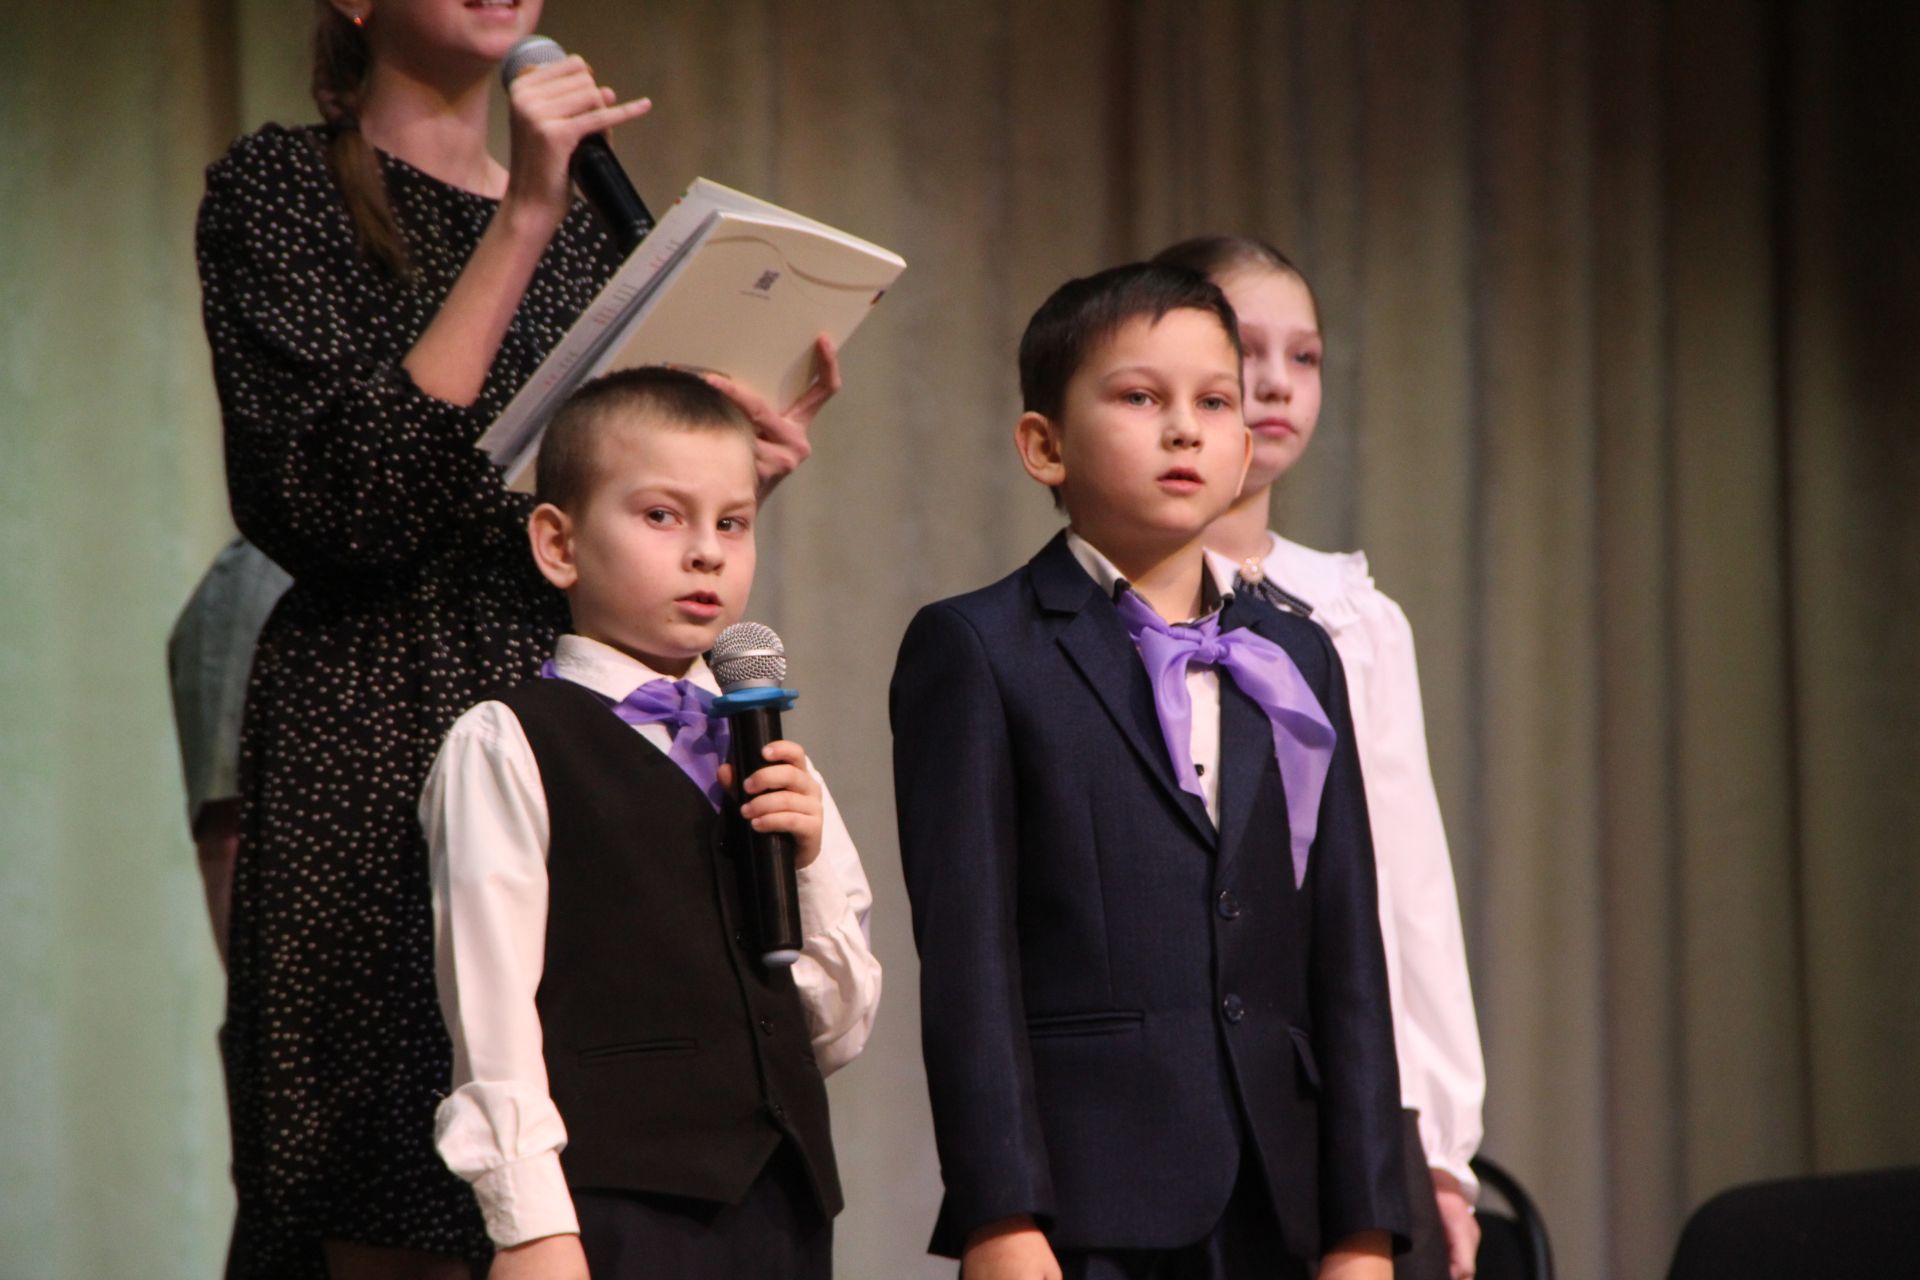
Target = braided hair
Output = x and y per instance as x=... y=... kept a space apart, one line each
x=342 y=62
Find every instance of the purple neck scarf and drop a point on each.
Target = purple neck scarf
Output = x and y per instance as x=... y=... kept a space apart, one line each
x=699 y=740
x=1303 y=737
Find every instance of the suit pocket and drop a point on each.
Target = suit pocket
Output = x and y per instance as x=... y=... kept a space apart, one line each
x=638 y=1049
x=1303 y=1054
x=1104 y=1022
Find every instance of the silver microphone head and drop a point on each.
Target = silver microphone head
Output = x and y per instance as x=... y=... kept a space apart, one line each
x=748 y=655
x=527 y=53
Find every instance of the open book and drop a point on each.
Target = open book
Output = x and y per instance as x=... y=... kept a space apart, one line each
x=725 y=283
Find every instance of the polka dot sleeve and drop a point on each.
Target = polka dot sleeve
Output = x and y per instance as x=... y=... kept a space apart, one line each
x=336 y=460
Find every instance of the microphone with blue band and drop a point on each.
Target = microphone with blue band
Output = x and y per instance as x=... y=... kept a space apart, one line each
x=750 y=664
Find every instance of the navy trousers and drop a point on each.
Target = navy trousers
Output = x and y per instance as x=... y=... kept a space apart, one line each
x=777 y=1232
x=1244 y=1245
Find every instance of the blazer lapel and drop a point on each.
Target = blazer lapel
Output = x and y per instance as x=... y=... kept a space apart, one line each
x=1097 y=643
x=1246 y=764
x=1246 y=748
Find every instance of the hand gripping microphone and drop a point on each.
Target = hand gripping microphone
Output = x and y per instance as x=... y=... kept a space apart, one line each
x=750 y=664
x=596 y=170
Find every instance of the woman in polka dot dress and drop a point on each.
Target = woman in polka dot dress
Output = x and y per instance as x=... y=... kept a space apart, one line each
x=375 y=289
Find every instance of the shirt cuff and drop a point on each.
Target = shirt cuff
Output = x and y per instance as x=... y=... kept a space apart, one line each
x=526 y=1200
x=1463 y=1174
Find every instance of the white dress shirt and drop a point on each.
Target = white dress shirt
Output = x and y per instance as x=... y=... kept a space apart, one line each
x=1203 y=679
x=485 y=815
x=1436 y=1036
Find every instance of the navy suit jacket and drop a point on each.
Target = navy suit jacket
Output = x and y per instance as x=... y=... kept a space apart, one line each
x=1116 y=996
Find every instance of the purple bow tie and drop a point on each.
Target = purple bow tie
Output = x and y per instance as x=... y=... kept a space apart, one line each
x=699 y=740
x=1303 y=737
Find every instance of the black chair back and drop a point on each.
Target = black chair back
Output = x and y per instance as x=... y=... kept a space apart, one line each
x=1513 y=1244
x=1852 y=1224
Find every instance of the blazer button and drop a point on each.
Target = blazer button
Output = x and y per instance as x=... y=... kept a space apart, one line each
x=766 y=1026
x=1234 y=1008
x=779 y=1112
x=1228 y=905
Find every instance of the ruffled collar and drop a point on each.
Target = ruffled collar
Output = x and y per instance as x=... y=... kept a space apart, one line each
x=1333 y=582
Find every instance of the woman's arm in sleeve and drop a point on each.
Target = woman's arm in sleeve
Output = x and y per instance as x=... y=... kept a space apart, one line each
x=336 y=459
x=1446 y=1075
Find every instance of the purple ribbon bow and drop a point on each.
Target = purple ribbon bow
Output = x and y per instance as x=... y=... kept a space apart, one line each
x=1303 y=737
x=699 y=738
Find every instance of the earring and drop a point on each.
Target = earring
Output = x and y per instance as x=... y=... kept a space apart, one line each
x=359 y=19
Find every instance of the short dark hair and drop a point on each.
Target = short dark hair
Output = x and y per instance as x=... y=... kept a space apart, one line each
x=1085 y=312
x=1217 y=255
x=564 y=474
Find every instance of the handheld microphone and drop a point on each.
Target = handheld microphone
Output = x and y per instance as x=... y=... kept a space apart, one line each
x=750 y=664
x=596 y=170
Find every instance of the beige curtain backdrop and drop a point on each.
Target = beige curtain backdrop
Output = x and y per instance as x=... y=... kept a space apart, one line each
x=1624 y=308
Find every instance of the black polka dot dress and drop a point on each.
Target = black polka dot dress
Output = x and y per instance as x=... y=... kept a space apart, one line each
x=413 y=595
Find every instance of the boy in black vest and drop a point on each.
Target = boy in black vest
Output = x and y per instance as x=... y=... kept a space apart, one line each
x=1153 y=999
x=632 y=1089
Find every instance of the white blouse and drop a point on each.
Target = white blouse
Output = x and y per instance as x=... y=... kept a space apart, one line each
x=1442 y=1073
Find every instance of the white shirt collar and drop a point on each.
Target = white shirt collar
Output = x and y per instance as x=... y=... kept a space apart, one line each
x=1104 y=572
x=613 y=674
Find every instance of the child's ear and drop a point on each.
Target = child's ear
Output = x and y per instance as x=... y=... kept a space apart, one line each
x=1037 y=439
x=550 y=531
x=1246 y=461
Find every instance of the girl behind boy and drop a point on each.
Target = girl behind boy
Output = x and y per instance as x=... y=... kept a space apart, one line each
x=1442 y=1075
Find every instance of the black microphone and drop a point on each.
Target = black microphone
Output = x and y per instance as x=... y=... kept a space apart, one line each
x=750 y=664
x=596 y=170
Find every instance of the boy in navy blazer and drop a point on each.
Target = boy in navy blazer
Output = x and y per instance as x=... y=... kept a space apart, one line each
x=1154 y=1004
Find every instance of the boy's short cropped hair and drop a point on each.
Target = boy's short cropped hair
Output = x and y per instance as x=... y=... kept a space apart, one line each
x=564 y=472
x=1085 y=312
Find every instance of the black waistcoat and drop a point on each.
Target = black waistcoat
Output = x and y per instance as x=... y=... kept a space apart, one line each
x=677 y=1061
